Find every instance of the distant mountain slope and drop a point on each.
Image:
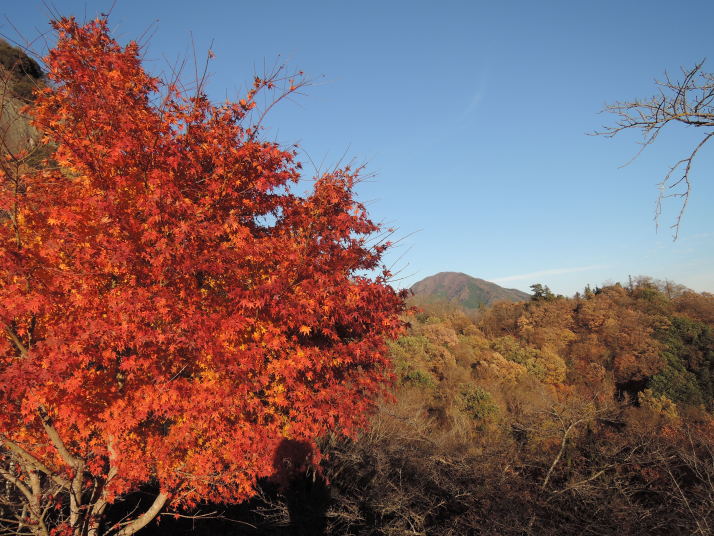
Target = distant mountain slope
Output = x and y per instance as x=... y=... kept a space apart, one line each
x=464 y=290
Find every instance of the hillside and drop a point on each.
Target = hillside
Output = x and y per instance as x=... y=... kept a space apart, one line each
x=19 y=76
x=464 y=290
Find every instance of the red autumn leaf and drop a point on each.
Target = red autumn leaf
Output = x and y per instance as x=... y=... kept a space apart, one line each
x=151 y=283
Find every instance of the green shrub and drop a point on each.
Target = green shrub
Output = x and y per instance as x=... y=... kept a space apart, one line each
x=418 y=378
x=478 y=403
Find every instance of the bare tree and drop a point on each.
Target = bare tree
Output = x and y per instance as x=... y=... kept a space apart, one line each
x=689 y=102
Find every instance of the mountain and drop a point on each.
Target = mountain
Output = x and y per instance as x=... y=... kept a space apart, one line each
x=464 y=290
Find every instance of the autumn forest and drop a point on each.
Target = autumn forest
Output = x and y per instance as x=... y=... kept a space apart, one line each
x=189 y=345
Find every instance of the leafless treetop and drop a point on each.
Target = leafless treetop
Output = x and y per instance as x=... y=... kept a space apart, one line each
x=688 y=101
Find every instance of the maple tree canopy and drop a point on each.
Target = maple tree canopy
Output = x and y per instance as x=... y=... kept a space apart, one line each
x=170 y=310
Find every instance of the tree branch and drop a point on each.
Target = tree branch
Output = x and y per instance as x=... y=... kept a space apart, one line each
x=16 y=341
x=145 y=518
x=75 y=494
x=22 y=454
x=689 y=102
x=32 y=497
x=57 y=440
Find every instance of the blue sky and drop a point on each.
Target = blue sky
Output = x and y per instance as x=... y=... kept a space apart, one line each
x=473 y=116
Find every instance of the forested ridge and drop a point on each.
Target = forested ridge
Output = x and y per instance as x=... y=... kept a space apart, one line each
x=560 y=415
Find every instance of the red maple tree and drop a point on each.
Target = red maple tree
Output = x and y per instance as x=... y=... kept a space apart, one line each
x=171 y=310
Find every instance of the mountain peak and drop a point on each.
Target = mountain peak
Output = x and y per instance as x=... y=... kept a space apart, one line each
x=465 y=290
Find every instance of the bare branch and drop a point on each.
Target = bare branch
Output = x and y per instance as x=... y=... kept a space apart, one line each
x=689 y=102
x=145 y=518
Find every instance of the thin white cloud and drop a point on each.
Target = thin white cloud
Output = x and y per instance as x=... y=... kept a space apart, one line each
x=478 y=95
x=553 y=271
x=473 y=104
